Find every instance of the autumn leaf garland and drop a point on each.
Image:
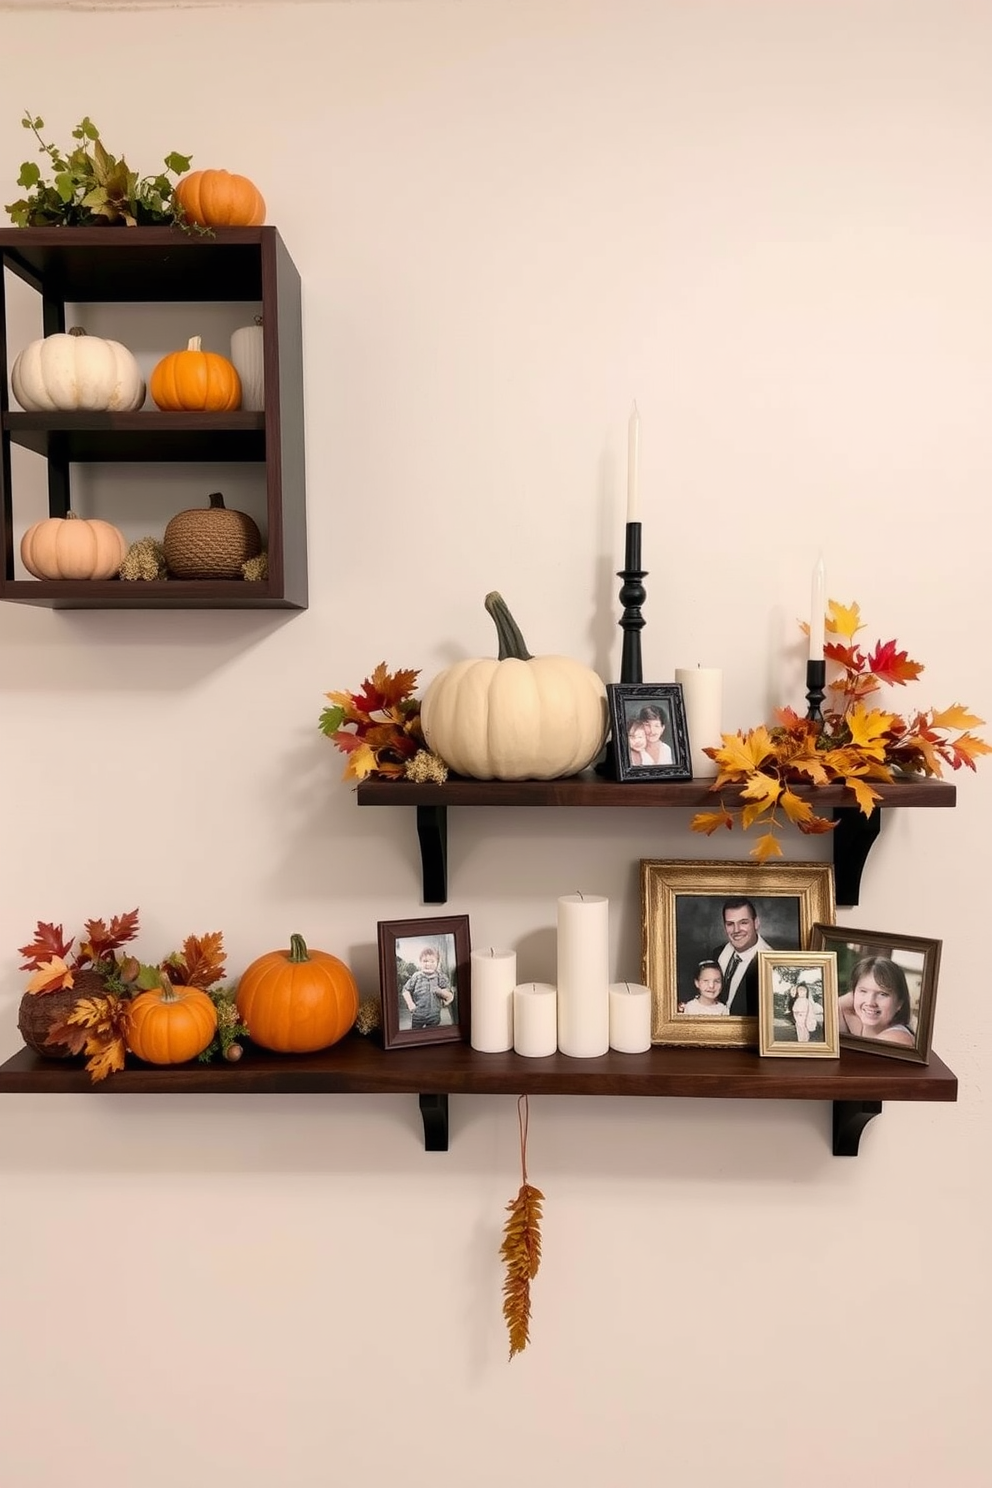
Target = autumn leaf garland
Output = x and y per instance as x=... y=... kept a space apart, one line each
x=378 y=727
x=855 y=744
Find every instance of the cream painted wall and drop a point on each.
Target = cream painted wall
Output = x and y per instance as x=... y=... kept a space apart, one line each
x=770 y=223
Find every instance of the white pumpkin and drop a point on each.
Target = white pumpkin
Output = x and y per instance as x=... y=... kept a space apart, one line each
x=72 y=547
x=71 y=371
x=522 y=717
x=247 y=354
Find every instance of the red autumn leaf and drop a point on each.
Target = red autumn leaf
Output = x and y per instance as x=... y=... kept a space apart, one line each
x=849 y=657
x=890 y=665
x=101 y=940
x=201 y=963
x=48 y=943
x=394 y=687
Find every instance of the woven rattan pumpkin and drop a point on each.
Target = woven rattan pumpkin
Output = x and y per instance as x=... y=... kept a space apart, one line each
x=210 y=542
x=40 y=1011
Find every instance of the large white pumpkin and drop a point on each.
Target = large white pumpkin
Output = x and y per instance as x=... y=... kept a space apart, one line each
x=71 y=371
x=522 y=717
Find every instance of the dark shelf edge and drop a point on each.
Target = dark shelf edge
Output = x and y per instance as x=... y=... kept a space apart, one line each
x=357 y=1067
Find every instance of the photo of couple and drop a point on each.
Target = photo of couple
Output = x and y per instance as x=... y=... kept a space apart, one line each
x=650 y=735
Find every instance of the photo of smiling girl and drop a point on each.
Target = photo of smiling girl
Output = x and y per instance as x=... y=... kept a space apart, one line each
x=877 y=1006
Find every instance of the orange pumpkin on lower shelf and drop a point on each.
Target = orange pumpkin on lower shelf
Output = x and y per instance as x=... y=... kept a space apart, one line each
x=297 y=1001
x=169 y=1025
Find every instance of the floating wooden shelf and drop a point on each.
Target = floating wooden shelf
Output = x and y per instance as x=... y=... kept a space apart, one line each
x=856 y=1084
x=852 y=838
x=151 y=265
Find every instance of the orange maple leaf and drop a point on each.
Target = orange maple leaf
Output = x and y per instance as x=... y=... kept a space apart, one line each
x=202 y=961
x=968 y=747
x=795 y=808
x=954 y=717
x=866 y=798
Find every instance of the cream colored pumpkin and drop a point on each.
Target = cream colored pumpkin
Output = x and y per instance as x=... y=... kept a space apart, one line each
x=522 y=717
x=71 y=547
x=70 y=371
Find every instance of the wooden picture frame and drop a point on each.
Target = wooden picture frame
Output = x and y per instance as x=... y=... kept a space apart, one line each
x=648 y=707
x=689 y=910
x=421 y=1003
x=797 y=1004
x=904 y=972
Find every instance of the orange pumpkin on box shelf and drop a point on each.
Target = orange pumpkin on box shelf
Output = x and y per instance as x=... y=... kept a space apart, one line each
x=169 y=1025
x=218 y=198
x=297 y=1001
x=195 y=381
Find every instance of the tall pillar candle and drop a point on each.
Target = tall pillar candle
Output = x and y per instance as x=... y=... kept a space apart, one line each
x=583 y=975
x=494 y=975
x=535 y=1019
x=630 y=1018
x=702 y=693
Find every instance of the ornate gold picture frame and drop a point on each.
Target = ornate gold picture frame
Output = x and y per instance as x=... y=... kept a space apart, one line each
x=692 y=914
x=797 y=1004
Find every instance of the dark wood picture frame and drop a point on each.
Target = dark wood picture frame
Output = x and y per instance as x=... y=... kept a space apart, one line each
x=627 y=700
x=908 y=969
x=402 y=943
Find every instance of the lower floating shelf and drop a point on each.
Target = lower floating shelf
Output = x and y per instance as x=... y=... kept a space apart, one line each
x=856 y=1084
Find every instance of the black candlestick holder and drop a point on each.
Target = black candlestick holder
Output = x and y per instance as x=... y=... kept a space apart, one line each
x=632 y=596
x=632 y=622
x=816 y=686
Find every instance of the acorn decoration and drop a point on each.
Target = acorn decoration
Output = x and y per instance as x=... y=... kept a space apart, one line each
x=210 y=542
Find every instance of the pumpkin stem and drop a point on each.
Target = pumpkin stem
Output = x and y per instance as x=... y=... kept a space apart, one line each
x=217 y=501
x=298 y=949
x=511 y=642
x=194 y=343
x=76 y=331
x=169 y=993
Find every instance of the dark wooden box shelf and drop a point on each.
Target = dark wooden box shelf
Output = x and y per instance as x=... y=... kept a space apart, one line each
x=852 y=838
x=856 y=1084
x=152 y=265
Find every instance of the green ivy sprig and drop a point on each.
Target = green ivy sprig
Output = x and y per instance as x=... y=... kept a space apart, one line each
x=91 y=187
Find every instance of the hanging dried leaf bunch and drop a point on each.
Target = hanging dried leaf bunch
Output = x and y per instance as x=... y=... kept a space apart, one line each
x=521 y=1247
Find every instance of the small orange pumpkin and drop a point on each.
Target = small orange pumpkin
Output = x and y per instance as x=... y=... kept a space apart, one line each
x=169 y=1025
x=218 y=198
x=297 y=1001
x=195 y=380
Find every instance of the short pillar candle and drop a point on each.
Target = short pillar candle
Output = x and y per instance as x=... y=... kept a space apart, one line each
x=702 y=694
x=583 y=975
x=535 y=1019
x=494 y=975
x=630 y=1018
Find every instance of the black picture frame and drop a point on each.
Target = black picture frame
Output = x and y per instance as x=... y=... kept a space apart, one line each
x=401 y=946
x=664 y=700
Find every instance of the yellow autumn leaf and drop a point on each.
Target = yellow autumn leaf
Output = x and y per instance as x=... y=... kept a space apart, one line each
x=810 y=764
x=955 y=717
x=751 y=813
x=843 y=620
x=361 y=762
x=742 y=754
x=51 y=976
x=766 y=847
x=970 y=745
x=763 y=788
x=869 y=729
x=711 y=821
x=795 y=808
x=863 y=793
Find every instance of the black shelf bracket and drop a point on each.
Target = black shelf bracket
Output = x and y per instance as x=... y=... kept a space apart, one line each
x=434 y=1110
x=432 y=829
x=850 y=1120
x=854 y=836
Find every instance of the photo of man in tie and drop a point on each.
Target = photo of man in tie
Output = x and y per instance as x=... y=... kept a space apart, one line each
x=738 y=957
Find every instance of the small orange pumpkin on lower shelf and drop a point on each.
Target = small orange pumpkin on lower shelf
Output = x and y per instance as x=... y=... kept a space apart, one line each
x=297 y=1001
x=169 y=1025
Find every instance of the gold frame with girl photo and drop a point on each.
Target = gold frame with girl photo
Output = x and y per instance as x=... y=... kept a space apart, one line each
x=797 y=1004
x=697 y=916
x=887 y=988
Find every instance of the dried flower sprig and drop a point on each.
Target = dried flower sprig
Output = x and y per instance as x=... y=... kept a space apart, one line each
x=521 y=1247
x=854 y=744
x=378 y=728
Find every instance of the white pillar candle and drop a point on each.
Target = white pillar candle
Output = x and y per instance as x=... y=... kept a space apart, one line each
x=817 y=610
x=583 y=975
x=702 y=693
x=535 y=1019
x=494 y=974
x=630 y=1018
